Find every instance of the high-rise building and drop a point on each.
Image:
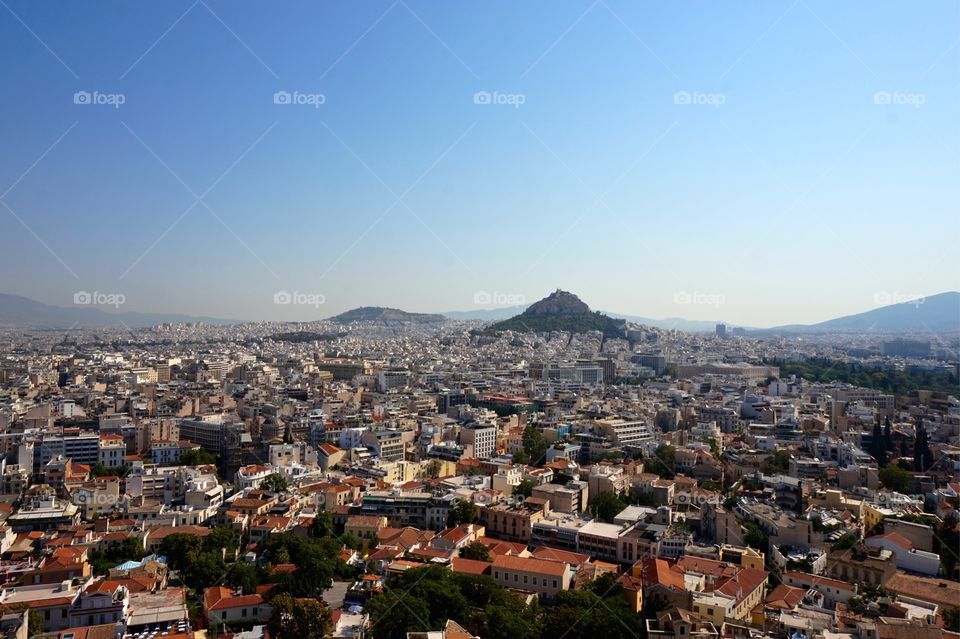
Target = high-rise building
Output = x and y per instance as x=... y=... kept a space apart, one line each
x=906 y=348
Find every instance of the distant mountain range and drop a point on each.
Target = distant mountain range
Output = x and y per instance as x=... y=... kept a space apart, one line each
x=16 y=310
x=935 y=314
x=671 y=323
x=381 y=314
x=561 y=311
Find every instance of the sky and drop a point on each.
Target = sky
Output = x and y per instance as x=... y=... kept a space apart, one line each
x=758 y=163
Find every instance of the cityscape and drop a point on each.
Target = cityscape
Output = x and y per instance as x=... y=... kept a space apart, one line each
x=423 y=320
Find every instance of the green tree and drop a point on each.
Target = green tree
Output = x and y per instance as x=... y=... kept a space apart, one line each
x=580 y=613
x=322 y=525
x=922 y=457
x=197 y=567
x=393 y=614
x=524 y=488
x=778 y=463
x=421 y=599
x=846 y=540
x=640 y=498
x=463 y=512
x=506 y=616
x=206 y=569
x=180 y=549
x=606 y=506
x=476 y=550
x=274 y=483
x=130 y=549
x=509 y=618
x=432 y=469
x=35 y=623
x=755 y=537
x=317 y=560
x=951 y=619
x=99 y=470
x=534 y=445
x=711 y=485
x=878 y=447
x=222 y=537
x=197 y=457
x=948 y=540
x=243 y=576
x=663 y=461
x=896 y=478
x=299 y=618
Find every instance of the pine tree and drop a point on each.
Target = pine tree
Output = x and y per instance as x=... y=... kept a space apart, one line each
x=877 y=447
x=922 y=457
x=887 y=438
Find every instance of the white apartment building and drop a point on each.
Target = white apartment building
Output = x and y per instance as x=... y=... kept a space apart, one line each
x=483 y=437
x=624 y=433
x=112 y=450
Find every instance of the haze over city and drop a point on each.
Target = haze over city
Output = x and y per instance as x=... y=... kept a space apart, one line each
x=757 y=163
x=419 y=319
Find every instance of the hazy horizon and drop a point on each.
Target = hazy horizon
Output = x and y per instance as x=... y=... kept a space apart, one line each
x=322 y=313
x=760 y=163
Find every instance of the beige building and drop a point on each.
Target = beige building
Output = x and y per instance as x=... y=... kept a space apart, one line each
x=540 y=576
x=514 y=522
x=364 y=527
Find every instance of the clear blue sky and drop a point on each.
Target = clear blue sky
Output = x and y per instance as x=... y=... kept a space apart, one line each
x=796 y=199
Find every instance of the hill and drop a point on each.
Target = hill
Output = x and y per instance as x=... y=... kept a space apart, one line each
x=16 y=310
x=935 y=314
x=382 y=314
x=561 y=311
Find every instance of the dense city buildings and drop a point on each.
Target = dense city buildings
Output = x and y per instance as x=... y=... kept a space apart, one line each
x=722 y=493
